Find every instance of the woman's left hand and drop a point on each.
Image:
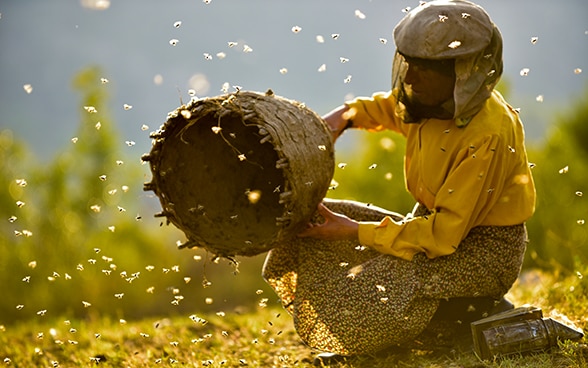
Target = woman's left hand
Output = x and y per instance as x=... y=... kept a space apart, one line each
x=335 y=227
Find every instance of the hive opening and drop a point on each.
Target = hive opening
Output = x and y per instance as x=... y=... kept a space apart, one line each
x=238 y=181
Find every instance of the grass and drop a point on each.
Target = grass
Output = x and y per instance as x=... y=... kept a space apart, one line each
x=262 y=337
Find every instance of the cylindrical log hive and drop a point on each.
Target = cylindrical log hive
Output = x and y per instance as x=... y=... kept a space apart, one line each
x=240 y=173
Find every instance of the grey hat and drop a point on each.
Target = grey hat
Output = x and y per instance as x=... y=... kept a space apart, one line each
x=444 y=29
x=453 y=29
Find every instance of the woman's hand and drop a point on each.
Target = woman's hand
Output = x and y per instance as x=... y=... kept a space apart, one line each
x=338 y=120
x=335 y=227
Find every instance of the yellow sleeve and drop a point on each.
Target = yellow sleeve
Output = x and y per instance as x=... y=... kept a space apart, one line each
x=375 y=113
x=469 y=192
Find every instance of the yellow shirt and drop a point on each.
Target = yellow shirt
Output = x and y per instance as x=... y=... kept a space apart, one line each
x=476 y=175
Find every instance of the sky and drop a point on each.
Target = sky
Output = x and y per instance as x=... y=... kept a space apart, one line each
x=155 y=53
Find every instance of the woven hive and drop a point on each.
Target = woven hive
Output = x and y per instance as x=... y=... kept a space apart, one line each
x=240 y=173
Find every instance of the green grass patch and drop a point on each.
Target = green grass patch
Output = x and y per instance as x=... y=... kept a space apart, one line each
x=263 y=336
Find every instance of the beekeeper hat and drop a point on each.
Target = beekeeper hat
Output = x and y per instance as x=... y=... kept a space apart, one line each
x=453 y=29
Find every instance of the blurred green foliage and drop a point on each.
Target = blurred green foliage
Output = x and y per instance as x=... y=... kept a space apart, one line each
x=558 y=233
x=78 y=237
x=73 y=240
x=372 y=171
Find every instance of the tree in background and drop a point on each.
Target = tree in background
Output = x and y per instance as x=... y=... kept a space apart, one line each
x=75 y=241
x=372 y=171
x=558 y=232
x=60 y=209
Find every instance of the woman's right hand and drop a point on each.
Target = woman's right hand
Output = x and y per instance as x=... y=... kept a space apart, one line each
x=337 y=120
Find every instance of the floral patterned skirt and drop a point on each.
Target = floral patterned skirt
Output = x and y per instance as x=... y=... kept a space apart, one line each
x=349 y=299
